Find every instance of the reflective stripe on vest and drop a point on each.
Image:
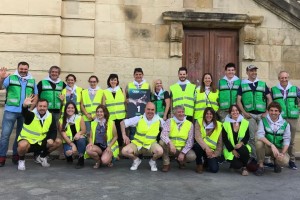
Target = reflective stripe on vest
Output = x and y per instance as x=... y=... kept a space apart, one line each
x=78 y=99
x=203 y=101
x=241 y=134
x=68 y=129
x=275 y=138
x=228 y=96
x=179 y=137
x=184 y=98
x=254 y=101
x=35 y=132
x=211 y=140
x=159 y=104
x=115 y=105
x=289 y=105
x=91 y=105
x=52 y=95
x=145 y=136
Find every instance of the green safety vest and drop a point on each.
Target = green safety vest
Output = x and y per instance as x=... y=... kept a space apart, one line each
x=179 y=137
x=77 y=127
x=115 y=105
x=254 y=101
x=78 y=99
x=89 y=105
x=145 y=136
x=241 y=134
x=211 y=140
x=184 y=98
x=52 y=95
x=289 y=105
x=228 y=96
x=275 y=138
x=109 y=136
x=203 y=101
x=14 y=90
x=35 y=132
x=159 y=104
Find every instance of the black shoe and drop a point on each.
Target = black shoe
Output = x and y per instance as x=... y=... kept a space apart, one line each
x=292 y=165
x=260 y=171
x=15 y=159
x=80 y=163
x=69 y=159
x=277 y=168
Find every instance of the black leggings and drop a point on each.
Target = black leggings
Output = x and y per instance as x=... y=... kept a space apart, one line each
x=237 y=163
x=212 y=163
x=119 y=132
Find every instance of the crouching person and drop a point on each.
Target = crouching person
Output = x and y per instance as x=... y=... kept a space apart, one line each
x=177 y=138
x=144 y=141
x=274 y=137
x=38 y=133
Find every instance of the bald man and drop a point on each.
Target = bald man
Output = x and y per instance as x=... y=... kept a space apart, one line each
x=144 y=141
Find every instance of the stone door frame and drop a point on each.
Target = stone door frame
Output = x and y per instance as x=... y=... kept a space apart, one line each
x=244 y=23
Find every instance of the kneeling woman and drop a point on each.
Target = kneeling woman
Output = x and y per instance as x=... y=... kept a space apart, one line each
x=103 y=144
x=72 y=128
x=235 y=137
x=208 y=141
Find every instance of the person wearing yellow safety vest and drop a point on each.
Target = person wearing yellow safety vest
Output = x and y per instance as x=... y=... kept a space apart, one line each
x=228 y=87
x=38 y=134
x=18 y=86
x=206 y=96
x=183 y=93
x=253 y=98
x=144 y=141
x=235 y=136
x=273 y=139
x=91 y=98
x=177 y=138
x=71 y=93
x=114 y=100
x=103 y=144
x=208 y=144
x=287 y=96
x=73 y=131
x=138 y=83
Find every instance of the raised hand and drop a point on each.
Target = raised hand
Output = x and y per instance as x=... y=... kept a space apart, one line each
x=28 y=100
x=3 y=73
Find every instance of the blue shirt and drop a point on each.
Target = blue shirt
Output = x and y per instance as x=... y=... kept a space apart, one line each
x=18 y=109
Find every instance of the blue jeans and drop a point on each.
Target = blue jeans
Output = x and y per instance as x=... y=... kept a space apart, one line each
x=8 y=122
x=88 y=128
x=80 y=144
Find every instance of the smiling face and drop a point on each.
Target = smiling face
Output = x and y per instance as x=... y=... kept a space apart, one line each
x=234 y=113
x=42 y=107
x=230 y=72
x=23 y=70
x=113 y=82
x=179 y=114
x=207 y=80
x=252 y=74
x=100 y=113
x=182 y=75
x=93 y=82
x=274 y=113
x=54 y=74
x=70 y=81
x=70 y=110
x=283 y=79
x=158 y=85
x=150 y=110
x=138 y=76
x=209 y=116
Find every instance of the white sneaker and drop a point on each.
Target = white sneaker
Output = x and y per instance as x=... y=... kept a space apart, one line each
x=135 y=164
x=21 y=165
x=42 y=161
x=152 y=164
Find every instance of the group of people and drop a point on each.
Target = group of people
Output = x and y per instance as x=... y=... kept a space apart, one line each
x=243 y=120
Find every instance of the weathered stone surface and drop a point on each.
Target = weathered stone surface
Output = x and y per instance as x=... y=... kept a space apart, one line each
x=280 y=37
x=162 y=33
x=140 y=31
x=175 y=49
x=73 y=27
x=77 y=9
x=271 y=21
x=52 y=7
x=163 y=50
x=262 y=36
x=103 y=12
x=102 y=47
x=267 y=53
x=276 y=67
x=291 y=53
x=152 y=15
x=30 y=24
x=296 y=75
x=248 y=34
x=76 y=45
x=176 y=32
x=198 y=4
x=262 y=72
x=109 y=30
x=248 y=52
x=74 y=64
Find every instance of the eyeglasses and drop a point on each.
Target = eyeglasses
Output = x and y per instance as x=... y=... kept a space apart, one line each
x=93 y=81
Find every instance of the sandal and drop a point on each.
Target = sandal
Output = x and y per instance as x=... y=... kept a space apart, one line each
x=244 y=171
x=110 y=164
x=97 y=165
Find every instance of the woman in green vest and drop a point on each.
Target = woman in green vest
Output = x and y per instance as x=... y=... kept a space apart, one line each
x=208 y=138
x=206 y=96
x=114 y=100
x=91 y=98
x=103 y=144
x=72 y=129
x=161 y=99
x=235 y=136
x=71 y=93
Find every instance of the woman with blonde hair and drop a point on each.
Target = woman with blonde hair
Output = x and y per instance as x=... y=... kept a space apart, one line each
x=161 y=99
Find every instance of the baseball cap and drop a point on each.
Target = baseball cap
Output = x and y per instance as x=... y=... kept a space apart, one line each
x=250 y=67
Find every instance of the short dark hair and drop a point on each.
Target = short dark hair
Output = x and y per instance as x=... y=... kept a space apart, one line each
x=43 y=100
x=112 y=76
x=138 y=69
x=93 y=76
x=54 y=67
x=230 y=65
x=274 y=104
x=71 y=75
x=182 y=69
x=23 y=63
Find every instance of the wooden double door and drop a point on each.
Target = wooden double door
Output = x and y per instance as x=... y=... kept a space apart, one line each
x=209 y=50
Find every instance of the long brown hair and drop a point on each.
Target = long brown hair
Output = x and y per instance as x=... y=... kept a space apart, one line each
x=105 y=112
x=212 y=87
x=65 y=116
x=214 y=119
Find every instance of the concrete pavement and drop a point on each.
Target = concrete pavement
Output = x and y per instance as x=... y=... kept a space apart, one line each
x=62 y=181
